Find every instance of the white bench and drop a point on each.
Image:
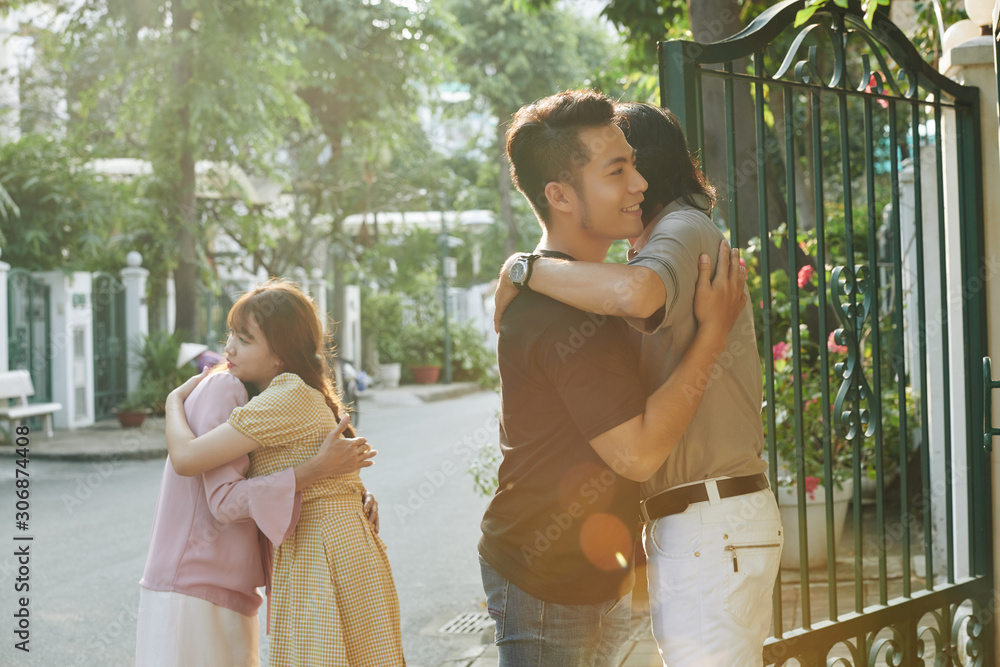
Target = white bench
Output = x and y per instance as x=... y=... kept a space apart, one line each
x=17 y=385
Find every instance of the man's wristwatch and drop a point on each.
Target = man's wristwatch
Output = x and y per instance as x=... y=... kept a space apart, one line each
x=520 y=270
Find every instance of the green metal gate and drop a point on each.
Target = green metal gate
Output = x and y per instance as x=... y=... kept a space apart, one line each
x=29 y=330
x=840 y=155
x=110 y=344
x=217 y=304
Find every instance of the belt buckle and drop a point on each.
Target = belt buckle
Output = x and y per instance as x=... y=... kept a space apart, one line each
x=643 y=513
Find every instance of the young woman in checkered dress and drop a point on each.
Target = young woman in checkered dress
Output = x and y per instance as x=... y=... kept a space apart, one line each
x=333 y=600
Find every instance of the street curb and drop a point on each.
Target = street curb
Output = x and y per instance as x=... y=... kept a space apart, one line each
x=9 y=452
x=96 y=443
x=448 y=392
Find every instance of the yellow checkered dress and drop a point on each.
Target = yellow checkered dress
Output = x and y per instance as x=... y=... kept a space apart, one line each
x=333 y=599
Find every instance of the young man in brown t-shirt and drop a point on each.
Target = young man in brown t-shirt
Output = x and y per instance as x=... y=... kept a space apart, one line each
x=577 y=429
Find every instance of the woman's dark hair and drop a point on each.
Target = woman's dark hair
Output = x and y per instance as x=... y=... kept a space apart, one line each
x=663 y=158
x=543 y=142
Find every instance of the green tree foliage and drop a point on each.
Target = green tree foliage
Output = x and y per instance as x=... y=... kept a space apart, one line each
x=66 y=214
x=182 y=82
x=510 y=58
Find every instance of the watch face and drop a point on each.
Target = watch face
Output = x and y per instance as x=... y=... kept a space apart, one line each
x=517 y=271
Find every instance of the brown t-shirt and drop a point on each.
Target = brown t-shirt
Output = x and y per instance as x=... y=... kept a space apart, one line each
x=726 y=437
x=562 y=524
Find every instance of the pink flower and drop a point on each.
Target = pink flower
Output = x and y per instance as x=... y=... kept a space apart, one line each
x=811 y=484
x=780 y=351
x=805 y=275
x=872 y=87
x=831 y=344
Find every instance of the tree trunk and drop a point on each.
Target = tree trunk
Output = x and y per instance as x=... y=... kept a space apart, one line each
x=187 y=275
x=711 y=21
x=504 y=188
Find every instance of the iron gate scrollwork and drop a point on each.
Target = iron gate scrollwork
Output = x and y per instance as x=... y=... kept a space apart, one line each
x=110 y=344
x=871 y=323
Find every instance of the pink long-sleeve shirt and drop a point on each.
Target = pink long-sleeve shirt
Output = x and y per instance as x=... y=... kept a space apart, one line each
x=205 y=541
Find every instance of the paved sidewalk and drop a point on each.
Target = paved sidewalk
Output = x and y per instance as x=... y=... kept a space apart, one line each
x=106 y=440
x=640 y=649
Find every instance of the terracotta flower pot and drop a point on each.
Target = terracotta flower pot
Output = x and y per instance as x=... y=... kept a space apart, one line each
x=132 y=419
x=425 y=374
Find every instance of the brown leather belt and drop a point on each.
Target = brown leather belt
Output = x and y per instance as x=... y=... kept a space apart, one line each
x=677 y=500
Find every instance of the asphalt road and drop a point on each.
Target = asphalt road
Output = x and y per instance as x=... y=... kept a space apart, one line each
x=90 y=522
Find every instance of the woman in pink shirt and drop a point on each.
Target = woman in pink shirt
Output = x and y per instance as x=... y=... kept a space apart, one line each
x=211 y=541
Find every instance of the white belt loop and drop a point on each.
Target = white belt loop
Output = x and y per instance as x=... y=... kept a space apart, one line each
x=713 y=492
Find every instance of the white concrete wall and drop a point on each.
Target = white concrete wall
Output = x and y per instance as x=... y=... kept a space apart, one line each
x=136 y=313
x=349 y=331
x=4 y=325
x=72 y=347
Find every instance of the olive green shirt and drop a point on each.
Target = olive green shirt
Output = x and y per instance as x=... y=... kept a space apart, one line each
x=725 y=438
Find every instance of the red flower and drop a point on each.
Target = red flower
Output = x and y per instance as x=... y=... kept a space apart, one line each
x=805 y=275
x=780 y=351
x=811 y=484
x=872 y=87
x=831 y=344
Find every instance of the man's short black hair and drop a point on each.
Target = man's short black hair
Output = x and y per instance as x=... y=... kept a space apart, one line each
x=543 y=142
x=663 y=158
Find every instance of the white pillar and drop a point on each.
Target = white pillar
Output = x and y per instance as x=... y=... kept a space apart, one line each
x=972 y=64
x=350 y=329
x=136 y=312
x=317 y=288
x=72 y=318
x=171 y=304
x=4 y=325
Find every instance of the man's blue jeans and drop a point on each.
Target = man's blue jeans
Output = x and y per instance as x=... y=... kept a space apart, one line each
x=534 y=633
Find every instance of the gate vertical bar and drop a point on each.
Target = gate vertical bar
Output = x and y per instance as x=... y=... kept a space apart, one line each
x=845 y=161
x=899 y=358
x=925 y=443
x=728 y=102
x=946 y=348
x=875 y=414
x=793 y=292
x=765 y=271
x=824 y=332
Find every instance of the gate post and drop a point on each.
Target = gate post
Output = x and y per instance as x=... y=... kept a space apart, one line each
x=72 y=346
x=136 y=312
x=4 y=325
x=349 y=331
x=317 y=288
x=972 y=64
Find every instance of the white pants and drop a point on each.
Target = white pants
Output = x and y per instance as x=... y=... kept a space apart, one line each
x=711 y=571
x=176 y=630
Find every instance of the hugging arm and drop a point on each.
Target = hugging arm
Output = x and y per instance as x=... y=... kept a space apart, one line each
x=607 y=289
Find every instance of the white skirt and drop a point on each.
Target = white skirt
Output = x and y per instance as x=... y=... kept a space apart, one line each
x=177 y=630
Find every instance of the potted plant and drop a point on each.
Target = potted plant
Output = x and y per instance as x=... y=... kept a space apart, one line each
x=157 y=363
x=135 y=407
x=423 y=349
x=381 y=325
x=814 y=430
x=816 y=425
